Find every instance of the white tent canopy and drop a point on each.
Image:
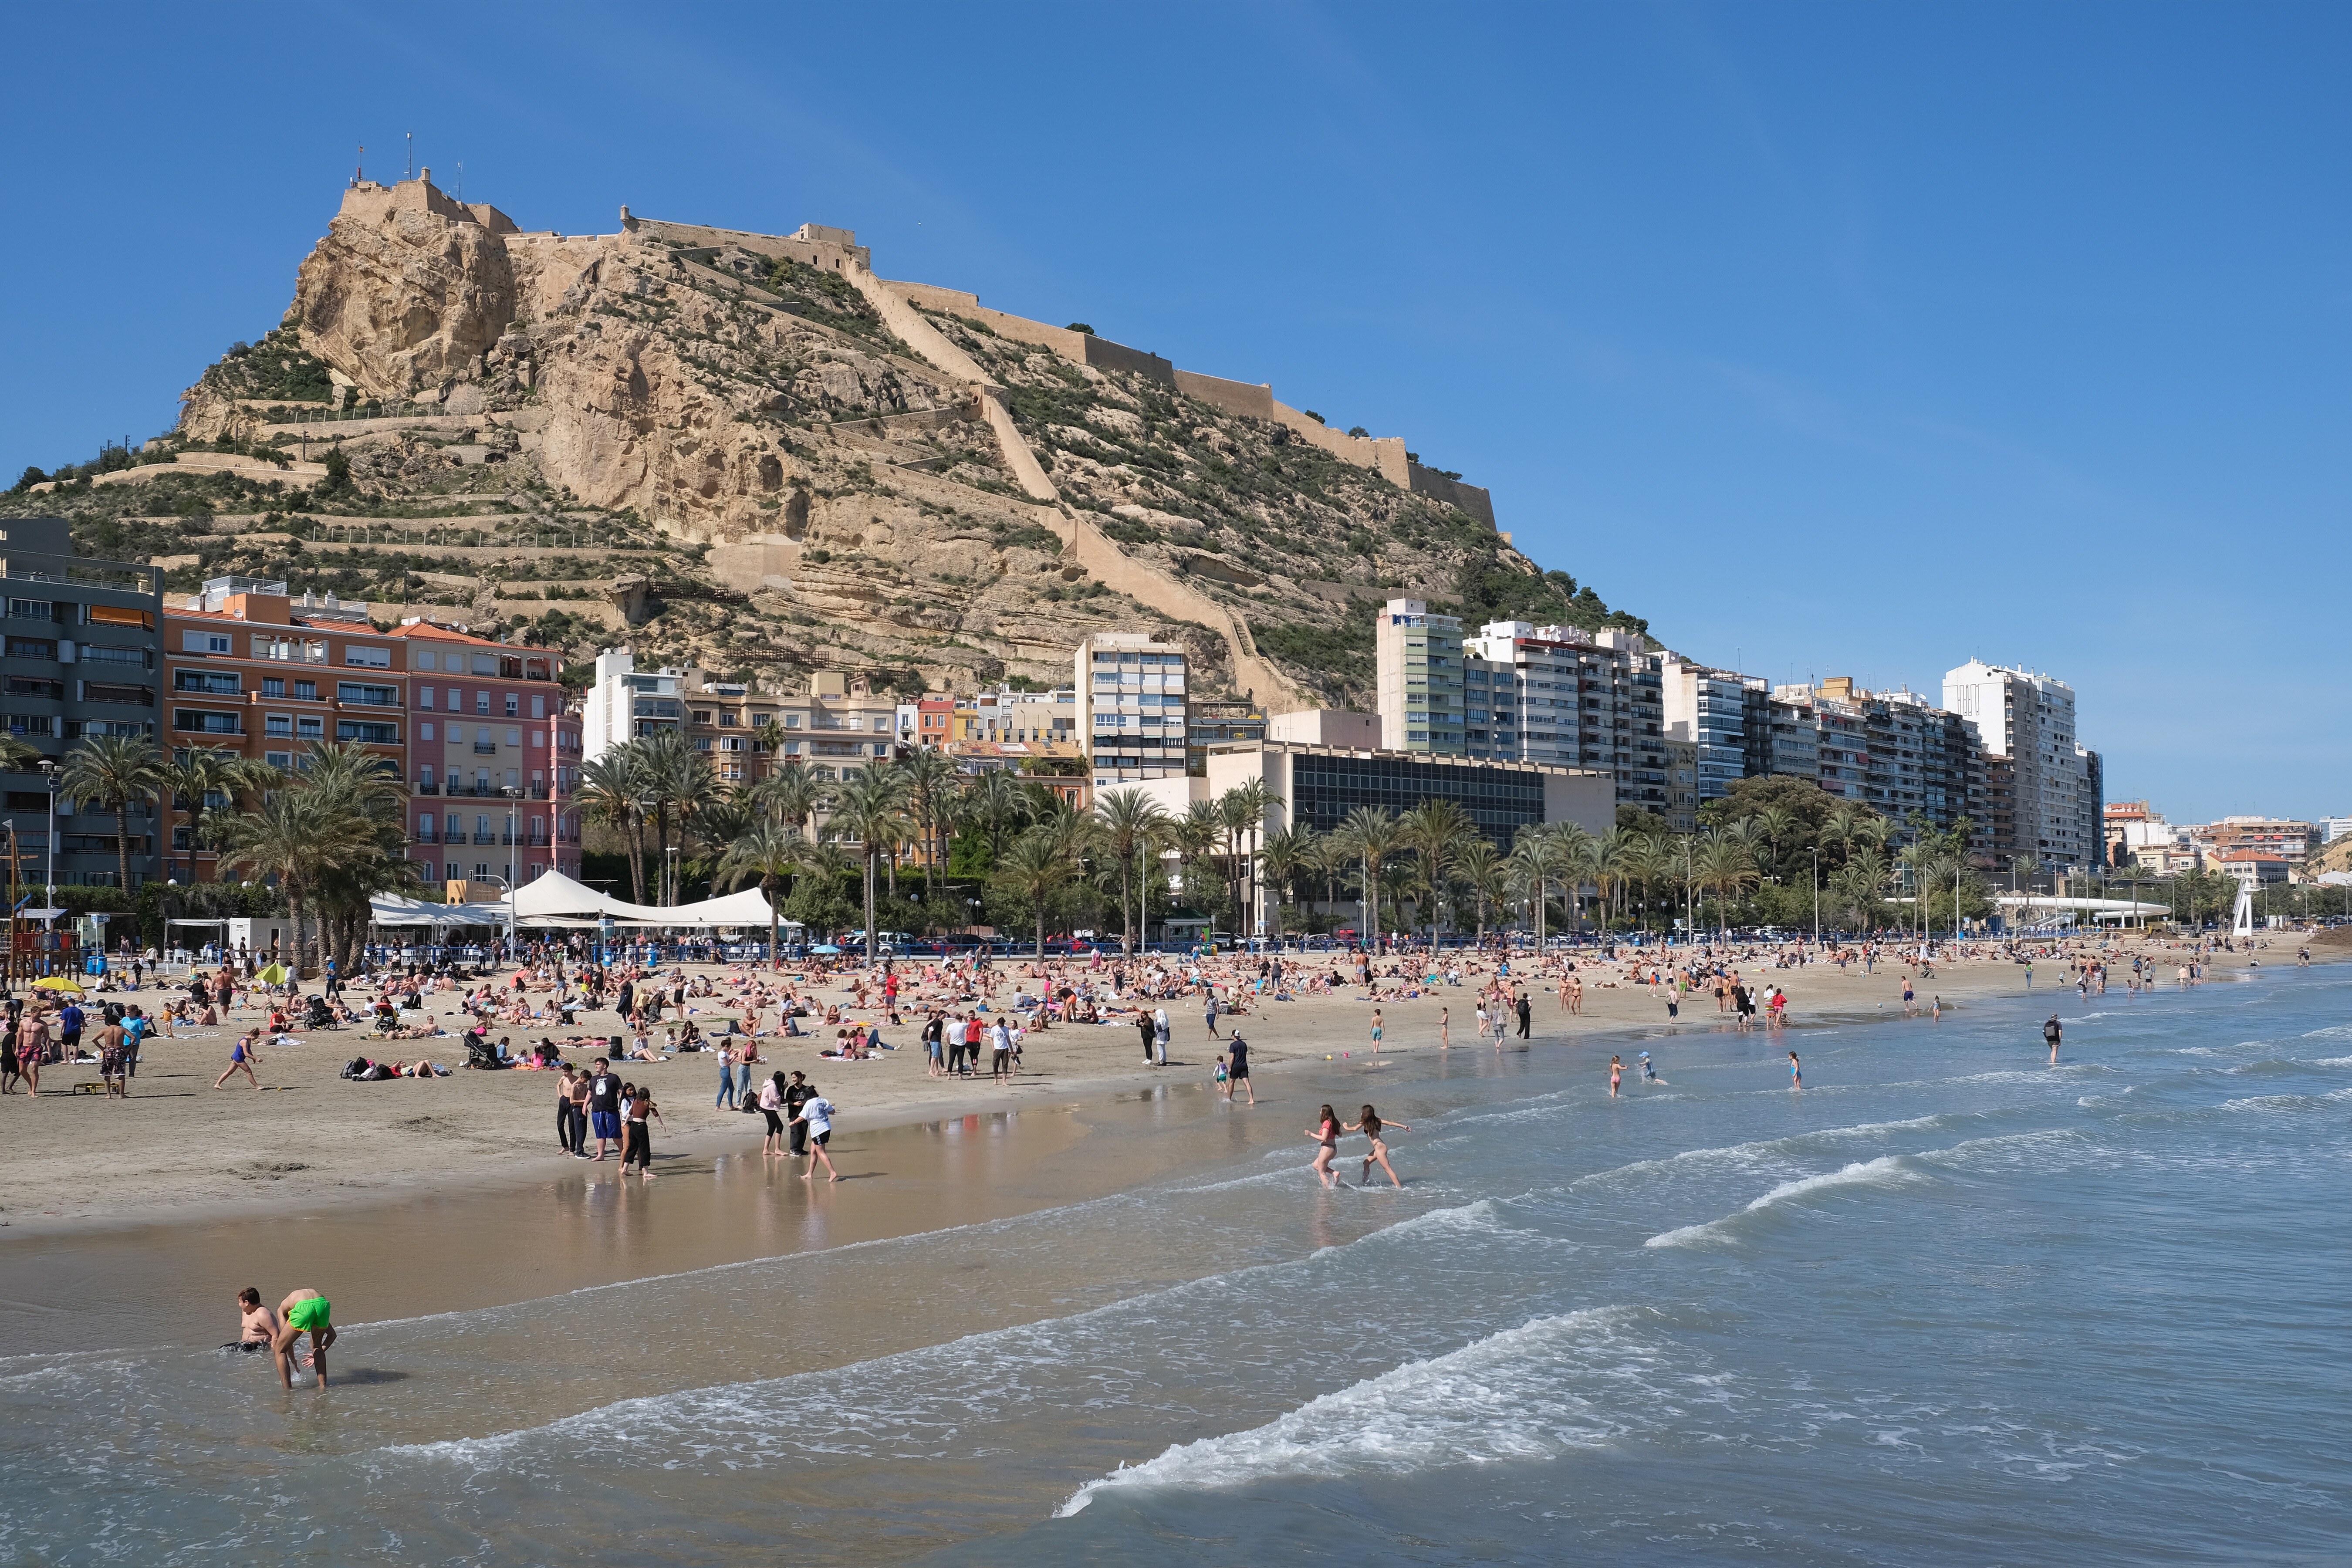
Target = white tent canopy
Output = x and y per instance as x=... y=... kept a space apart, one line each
x=386 y=909
x=555 y=899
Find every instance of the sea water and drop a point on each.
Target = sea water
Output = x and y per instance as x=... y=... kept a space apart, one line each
x=1944 y=1304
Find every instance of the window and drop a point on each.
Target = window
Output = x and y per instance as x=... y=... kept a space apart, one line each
x=282 y=761
x=514 y=705
x=457 y=703
x=422 y=659
x=425 y=698
x=372 y=734
x=205 y=681
x=702 y=715
x=35 y=686
x=273 y=687
x=727 y=720
x=110 y=653
x=110 y=615
x=309 y=727
x=373 y=696
x=791 y=721
x=306 y=691
x=32 y=647
x=482 y=703
x=368 y=657
x=28 y=609
x=537 y=707
x=187 y=720
x=425 y=732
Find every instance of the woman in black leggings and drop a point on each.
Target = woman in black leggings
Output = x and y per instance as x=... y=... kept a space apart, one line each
x=771 y=1105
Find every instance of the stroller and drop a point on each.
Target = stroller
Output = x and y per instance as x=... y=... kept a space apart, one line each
x=316 y=1014
x=481 y=1054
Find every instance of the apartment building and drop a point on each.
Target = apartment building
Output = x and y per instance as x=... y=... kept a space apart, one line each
x=1724 y=714
x=1005 y=716
x=623 y=705
x=83 y=640
x=495 y=759
x=2285 y=837
x=1593 y=700
x=1418 y=665
x=837 y=728
x=1133 y=706
x=254 y=672
x=2029 y=718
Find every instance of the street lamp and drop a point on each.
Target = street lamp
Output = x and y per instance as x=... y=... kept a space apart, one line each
x=1817 y=895
x=48 y=766
x=507 y=887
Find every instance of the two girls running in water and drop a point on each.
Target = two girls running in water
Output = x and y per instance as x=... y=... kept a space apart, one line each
x=1327 y=1130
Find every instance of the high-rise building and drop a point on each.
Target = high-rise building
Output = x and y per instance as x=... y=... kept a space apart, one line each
x=1580 y=699
x=623 y=705
x=1419 y=663
x=82 y=640
x=1725 y=714
x=1133 y=706
x=2029 y=718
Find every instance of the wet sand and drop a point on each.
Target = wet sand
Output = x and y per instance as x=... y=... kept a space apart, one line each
x=179 y=1152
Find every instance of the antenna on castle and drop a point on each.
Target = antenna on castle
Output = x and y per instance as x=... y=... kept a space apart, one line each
x=412 y=155
x=358 y=166
x=460 y=192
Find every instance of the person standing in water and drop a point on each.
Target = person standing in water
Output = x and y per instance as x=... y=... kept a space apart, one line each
x=304 y=1311
x=1326 y=1133
x=2049 y=1032
x=1238 y=1073
x=1796 y=1072
x=1649 y=1073
x=1616 y=1072
x=816 y=1114
x=1370 y=1124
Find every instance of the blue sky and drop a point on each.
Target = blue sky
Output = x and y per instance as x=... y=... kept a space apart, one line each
x=1835 y=339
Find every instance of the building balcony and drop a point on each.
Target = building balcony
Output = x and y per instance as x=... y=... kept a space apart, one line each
x=486 y=748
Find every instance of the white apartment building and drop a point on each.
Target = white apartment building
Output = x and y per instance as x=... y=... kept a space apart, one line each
x=1132 y=706
x=835 y=728
x=623 y=705
x=1570 y=697
x=2029 y=717
x=1418 y=660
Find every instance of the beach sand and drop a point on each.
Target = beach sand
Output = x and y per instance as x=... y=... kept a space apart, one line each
x=180 y=1150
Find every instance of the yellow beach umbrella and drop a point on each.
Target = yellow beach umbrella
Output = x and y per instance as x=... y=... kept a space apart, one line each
x=58 y=982
x=273 y=975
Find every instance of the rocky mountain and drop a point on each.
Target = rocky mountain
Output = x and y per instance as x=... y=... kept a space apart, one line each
x=751 y=453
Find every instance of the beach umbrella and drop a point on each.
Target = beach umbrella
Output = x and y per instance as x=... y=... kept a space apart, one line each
x=58 y=982
x=273 y=975
x=827 y=948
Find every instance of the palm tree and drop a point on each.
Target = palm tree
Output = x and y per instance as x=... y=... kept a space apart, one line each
x=1132 y=824
x=1775 y=823
x=996 y=801
x=790 y=795
x=931 y=784
x=1037 y=866
x=362 y=791
x=768 y=851
x=112 y=770
x=1372 y=836
x=15 y=755
x=1251 y=801
x=871 y=809
x=1438 y=831
x=1480 y=867
x=1196 y=836
x=679 y=780
x=1541 y=853
x=297 y=835
x=1287 y=852
x=613 y=790
x=1726 y=866
x=194 y=777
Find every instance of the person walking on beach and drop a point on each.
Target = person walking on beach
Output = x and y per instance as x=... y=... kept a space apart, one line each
x=816 y=1114
x=241 y=1058
x=1238 y=1073
x=797 y=1093
x=1796 y=1072
x=2049 y=1032
x=772 y=1108
x=1527 y=1014
x=726 y=1101
x=639 y=1147
x=604 y=1108
x=1370 y=1124
x=1376 y=1031
x=1444 y=1028
x=305 y=1311
x=1159 y=1031
x=1209 y=1009
x=1326 y=1133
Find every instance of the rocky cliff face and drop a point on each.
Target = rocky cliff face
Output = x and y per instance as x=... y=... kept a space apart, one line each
x=830 y=497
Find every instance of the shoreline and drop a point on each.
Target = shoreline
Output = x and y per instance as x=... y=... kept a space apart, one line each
x=350 y=1145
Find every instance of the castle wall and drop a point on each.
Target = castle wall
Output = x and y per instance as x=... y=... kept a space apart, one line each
x=1453 y=492
x=1248 y=400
